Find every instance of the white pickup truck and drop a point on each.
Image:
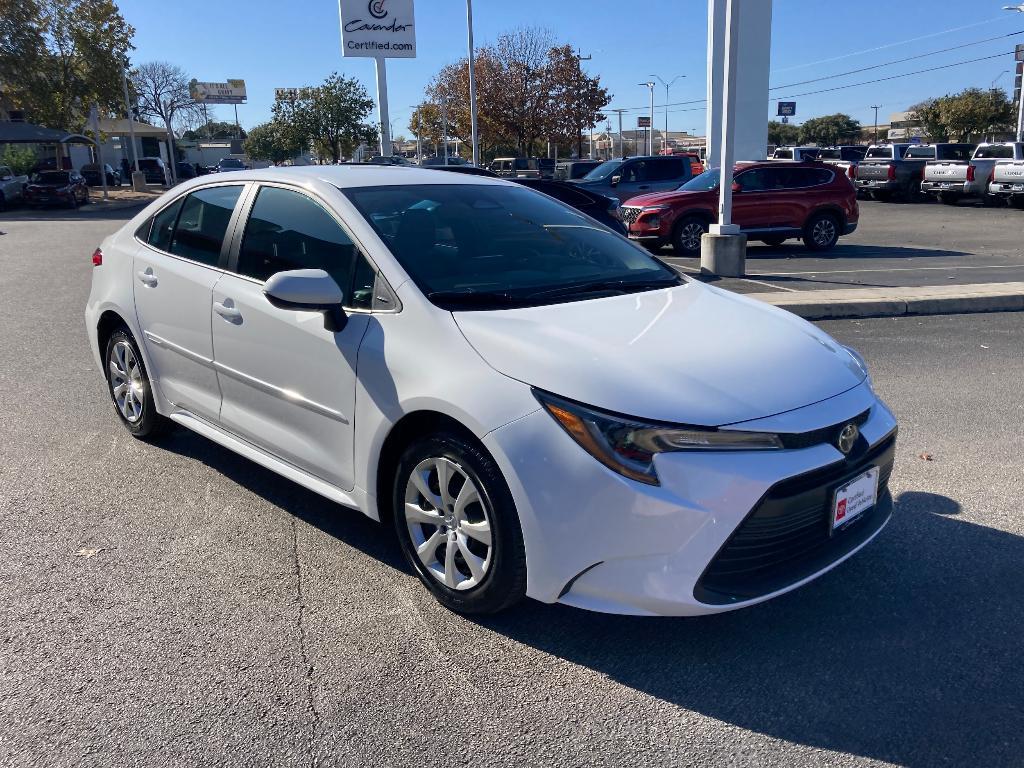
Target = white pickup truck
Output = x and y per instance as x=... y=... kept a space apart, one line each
x=1008 y=179
x=953 y=180
x=11 y=187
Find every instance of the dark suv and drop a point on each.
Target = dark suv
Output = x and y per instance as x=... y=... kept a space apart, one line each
x=772 y=202
x=632 y=176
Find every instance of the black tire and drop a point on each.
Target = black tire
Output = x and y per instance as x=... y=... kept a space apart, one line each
x=947 y=198
x=912 y=192
x=686 y=235
x=3 y=202
x=882 y=197
x=1017 y=201
x=86 y=200
x=992 y=201
x=503 y=582
x=149 y=424
x=73 y=202
x=774 y=242
x=821 y=232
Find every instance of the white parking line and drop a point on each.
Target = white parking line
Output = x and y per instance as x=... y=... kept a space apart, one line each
x=769 y=285
x=893 y=269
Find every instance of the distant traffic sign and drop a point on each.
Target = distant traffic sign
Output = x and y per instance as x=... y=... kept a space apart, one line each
x=643 y=122
x=787 y=108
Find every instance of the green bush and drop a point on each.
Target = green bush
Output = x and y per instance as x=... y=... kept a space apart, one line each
x=19 y=159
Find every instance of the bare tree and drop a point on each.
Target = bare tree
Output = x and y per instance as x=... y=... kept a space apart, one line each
x=163 y=93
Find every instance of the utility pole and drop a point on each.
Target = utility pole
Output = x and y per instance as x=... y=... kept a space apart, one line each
x=664 y=138
x=444 y=130
x=472 y=85
x=650 y=140
x=130 y=114
x=622 y=151
x=876 y=107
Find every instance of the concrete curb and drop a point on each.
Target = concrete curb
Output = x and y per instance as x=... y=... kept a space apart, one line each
x=896 y=302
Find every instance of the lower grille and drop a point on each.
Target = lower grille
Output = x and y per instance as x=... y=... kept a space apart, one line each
x=787 y=536
x=630 y=214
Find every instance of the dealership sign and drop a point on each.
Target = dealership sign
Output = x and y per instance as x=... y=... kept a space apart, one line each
x=378 y=28
x=231 y=92
x=643 y=122
x=787 y=108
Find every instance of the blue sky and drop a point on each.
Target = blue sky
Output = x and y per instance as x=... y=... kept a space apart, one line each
x=275 y=44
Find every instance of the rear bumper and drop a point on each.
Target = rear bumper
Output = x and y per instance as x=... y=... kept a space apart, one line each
x=1006 y=189
x=850 y=228
x=878 y=185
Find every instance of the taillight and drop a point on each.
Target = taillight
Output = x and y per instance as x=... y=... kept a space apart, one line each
x=892 y=172
x=97 y=258
x=852 y=172
x=970 y=173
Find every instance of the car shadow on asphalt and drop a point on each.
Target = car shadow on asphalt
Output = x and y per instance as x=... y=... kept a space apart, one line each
x=756 y=251
x=908 y=653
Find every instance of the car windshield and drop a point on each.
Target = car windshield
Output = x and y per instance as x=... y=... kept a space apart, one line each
x=52 y=177
x=702 y=183
x=604 y=170
x=476 y=246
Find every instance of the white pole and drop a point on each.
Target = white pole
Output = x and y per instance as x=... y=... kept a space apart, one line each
x=472 y=85
x=664 y=138
x=725 y=225
x=444 y=131
x=382 y=106
x=131 y=117
x=1020 y=115
x=95 y=115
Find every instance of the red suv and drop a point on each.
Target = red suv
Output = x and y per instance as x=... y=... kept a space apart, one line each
x=772 y=202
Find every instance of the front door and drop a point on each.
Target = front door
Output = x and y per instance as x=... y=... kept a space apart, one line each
x=174 y=273
x=754 y=205
x=288 y=383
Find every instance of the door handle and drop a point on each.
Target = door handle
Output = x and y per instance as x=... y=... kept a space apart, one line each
x=147 y=277
x=228 y=311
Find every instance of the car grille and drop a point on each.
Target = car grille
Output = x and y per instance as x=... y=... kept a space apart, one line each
x=786 y=537
x=630 y=214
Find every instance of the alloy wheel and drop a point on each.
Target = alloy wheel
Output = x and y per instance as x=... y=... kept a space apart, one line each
x=126 y=382
x=823 y=232
x=449 y=523
x=690 y=236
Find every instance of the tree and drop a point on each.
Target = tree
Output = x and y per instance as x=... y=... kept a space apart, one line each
x=971 y=112
x=59 y=57
x=162 y=92
x=830 y=129
x=929 y=114
x=329 y=117
x=576 y=99
x=782 y=134
x=215 y=129
x=268 y=142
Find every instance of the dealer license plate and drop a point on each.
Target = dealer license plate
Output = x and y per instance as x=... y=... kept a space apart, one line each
x=945 y=185
x=854 y=498
x=1018 y=187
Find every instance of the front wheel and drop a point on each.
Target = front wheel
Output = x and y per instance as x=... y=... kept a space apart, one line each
x=130 y=388
x=687 y=234
x=821 y=232
x=457 y=524
x=774 y=242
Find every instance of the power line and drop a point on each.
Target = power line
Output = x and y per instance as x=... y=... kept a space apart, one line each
x=897 y=61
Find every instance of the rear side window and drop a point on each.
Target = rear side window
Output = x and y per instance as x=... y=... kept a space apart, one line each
x=666 y=169
x=163 y=226
x=801 y=178
x=203 y=222
x=288 y=230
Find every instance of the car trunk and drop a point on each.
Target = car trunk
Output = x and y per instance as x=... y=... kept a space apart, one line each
x=873 y=170
x=1009 y=172
x=946 y=170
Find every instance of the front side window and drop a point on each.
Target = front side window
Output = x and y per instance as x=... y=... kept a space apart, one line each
x=203 y=222
x=288 y=230
x=604 y=171
x=488 y=246
x=705 y=182
x=635 y=171
x=163 y=226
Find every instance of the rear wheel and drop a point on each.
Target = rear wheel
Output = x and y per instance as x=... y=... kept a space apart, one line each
x=882 y=197
x=3 y=202
x=992 y=201
x=457 y=524
x=821 y=232
x=912 y=193
x=948 y=198
x=130 y=388
x=687 y=234
x=1017 y=201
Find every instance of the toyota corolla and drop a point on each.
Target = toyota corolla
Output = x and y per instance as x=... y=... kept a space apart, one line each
x=535 y=404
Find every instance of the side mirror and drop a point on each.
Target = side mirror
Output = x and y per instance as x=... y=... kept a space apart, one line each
x=6 y=178
x=616 y=179
x=310 y=290
x=737 y=187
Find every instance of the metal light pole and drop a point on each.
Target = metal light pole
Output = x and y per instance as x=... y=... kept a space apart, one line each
x=876 y=107
x=1020 y=100
x=622 y=151
x=669 y=84
x=128 y=112
x=650 y=140
x=472 y=85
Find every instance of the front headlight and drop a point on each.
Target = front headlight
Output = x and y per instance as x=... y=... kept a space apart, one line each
x=628 y=445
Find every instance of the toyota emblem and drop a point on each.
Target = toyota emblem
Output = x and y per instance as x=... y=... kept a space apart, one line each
x=847 y=438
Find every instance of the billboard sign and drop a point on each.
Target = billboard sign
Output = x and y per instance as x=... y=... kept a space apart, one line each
x=378 y=28
x=787 y=109
x=231 y=92
x=643 y=122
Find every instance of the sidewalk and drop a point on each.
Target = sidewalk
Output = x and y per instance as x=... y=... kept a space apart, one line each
x=895 y=302
x=122 y=197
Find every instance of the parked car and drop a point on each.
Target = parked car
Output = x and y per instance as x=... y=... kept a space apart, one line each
x=568 y=170
x=469 y=170
x=568 y=447
x=390 y=160
x=185 y=170
x=1008 y=176
x=696 y=164
x=154 y=170
x=442 y=161
x=91 y=173
x=602 y=208
x=12 y=188
x=898 y=169
x=546 y=167
x=625 y=179
x=951 y=180
x=772 y=202
x=521 y=167
x=230 y=164
x=57 y=188
x=845 y=158
x=795 y=153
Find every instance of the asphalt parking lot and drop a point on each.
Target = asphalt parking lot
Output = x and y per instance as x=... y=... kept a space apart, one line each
x=174 y=604
x=895 y=245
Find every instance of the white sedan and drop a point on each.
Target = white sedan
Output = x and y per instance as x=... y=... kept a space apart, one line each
x=535 y=404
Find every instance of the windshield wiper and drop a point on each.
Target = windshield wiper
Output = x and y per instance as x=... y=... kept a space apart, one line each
x=473 y=298
x=597 y=286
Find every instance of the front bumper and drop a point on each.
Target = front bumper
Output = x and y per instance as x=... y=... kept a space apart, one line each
x=599 y=541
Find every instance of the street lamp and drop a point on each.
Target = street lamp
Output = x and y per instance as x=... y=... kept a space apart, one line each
x=650 y=141
x=669 y=84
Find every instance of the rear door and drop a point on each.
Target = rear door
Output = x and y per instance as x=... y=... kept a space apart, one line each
x=288 y=383
x=175 y=270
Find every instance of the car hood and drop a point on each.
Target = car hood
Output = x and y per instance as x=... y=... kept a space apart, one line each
x=690 y=354
x=663 y=198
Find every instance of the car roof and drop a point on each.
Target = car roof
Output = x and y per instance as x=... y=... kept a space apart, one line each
x=359 y=175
